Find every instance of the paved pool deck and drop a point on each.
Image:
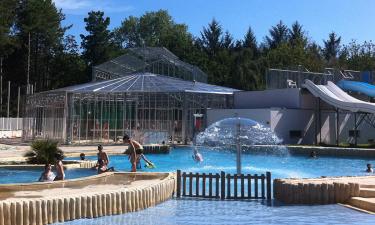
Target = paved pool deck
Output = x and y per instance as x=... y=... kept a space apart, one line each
x=14 y=153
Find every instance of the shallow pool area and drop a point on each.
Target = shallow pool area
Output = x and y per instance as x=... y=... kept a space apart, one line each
x=28 y=175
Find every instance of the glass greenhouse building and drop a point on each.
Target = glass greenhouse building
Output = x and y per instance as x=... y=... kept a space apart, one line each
x=153 y=108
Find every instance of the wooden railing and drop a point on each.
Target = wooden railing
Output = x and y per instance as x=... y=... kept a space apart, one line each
x=223 y=186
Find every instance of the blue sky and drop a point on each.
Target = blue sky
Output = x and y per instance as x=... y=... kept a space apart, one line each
x=351 y=19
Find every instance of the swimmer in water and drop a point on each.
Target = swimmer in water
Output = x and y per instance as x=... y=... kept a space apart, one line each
x=197 y=156
x=369 y=168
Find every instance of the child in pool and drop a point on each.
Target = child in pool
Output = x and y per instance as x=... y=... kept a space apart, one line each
x=197 y=156
x=47 y=174
x=369 y=168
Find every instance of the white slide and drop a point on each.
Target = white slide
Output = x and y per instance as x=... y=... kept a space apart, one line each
x=338 y=98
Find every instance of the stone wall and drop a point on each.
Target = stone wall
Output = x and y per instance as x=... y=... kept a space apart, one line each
x=38 y=211
x=301 y=191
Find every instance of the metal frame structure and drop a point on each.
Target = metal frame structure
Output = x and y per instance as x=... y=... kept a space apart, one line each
x=156 y=60
x=151 y=108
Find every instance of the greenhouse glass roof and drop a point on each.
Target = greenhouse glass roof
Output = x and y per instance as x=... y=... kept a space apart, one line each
x=156 y=60
x=146 y=82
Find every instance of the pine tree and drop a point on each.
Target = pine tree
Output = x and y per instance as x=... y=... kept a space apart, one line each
x=278 y=35
x=331 y=47
x=97 y=45
x=297 y=35
x=211 y=38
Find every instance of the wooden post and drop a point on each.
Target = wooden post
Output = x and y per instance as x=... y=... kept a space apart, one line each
x=222 y=185
x=190 y=184
x=263 y=187
x=268 y=175
x=256 y=185
x=228 y=186
x=183 y=184
x=210 y=185
x=242 y=186
x=217 y=185
x=203 y=185
x=249 y=186
x=197 y=184
x=235 y=186
x=178 y=183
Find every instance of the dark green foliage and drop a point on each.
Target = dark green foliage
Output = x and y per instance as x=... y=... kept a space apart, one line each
x=57 y=61
x=43 y=151
x=97 y=46
x=278 y=35
x=331 y=47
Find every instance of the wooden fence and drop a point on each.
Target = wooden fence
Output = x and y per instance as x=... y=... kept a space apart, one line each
x=223 y=186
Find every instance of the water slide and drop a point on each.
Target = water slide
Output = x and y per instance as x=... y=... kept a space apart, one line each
x=338 y=98
x=362 y=87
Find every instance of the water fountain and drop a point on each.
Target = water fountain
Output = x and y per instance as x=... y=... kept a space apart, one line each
x=236 y=133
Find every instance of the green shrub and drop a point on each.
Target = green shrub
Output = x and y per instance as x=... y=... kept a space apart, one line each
x=43 y=151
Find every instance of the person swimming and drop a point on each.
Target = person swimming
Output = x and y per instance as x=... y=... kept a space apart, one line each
x=47 y=174
x=197 y=156
x=369 y=168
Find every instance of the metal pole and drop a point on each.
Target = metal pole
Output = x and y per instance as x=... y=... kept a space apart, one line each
x=337 y=127
x=1 y=84
x=355 y=129
x=18 y=105
x=8 y=102
x=28 y=66
x=320 y=122
x=238 y=145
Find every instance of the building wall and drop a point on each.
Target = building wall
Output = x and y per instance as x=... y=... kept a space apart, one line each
x=282 y=121
x=288 y=98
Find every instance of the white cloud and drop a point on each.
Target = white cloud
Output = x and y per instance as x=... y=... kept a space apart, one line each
x=84 y=6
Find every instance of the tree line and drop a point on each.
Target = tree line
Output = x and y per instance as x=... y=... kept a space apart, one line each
x=33 y=41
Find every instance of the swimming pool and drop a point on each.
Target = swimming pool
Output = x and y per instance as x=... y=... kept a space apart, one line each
x=283 y=166
x=17 y=175
x=186 y=211
x=194 y=212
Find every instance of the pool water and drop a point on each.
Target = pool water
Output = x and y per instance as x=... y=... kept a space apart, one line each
x=196 y=212
x=10 y=176
x=216 y=161
x=193 y=211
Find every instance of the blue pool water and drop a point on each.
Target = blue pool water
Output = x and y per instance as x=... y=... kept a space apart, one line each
x=199 y=212
x=9 y=176
x=184 y=211
x=279 y=166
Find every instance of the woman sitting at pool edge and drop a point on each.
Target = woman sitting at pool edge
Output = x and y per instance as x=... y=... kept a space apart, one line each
x=103 y=161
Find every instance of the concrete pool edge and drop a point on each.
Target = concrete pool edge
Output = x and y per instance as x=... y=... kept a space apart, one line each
x=48 y=210
x=357 y=191
x=319 y=150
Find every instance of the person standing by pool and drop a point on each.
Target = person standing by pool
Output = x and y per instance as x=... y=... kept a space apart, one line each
x=47 y=175
x=59 y=167
x=135 y=151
